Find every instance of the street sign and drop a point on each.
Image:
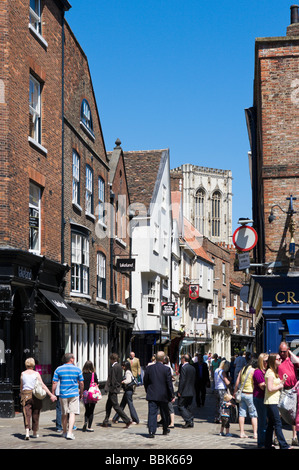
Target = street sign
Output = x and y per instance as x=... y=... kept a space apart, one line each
x=244 y=260
x=245 y=238
x=168 y=308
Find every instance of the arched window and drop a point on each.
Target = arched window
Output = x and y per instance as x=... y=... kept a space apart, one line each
x=216 y=200
x=199 y=210
x=86 y=117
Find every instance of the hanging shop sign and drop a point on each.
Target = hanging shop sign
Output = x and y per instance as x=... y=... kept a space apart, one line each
x=193 y=291
x=125 y=265
x=168 y=308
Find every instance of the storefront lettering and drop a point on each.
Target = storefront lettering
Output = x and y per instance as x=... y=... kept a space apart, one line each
x=286 y=298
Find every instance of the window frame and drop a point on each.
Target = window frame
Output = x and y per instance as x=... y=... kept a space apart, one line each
x=35 y=23
x=216 y=213
x=79 y=263
x=89 y=190
x=37 y=208
x=35 y=111
x=101 y=280
x=86 y=117
x=76 y=179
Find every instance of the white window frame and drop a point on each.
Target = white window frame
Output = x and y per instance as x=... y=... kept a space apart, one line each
x=35 y=108
x=80 y=264
x=89 y=191
x=76 y=179
x=36 y=210
x=35 y=17
x=101 y=275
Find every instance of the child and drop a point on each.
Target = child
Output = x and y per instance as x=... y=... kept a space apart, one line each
x=225 y=414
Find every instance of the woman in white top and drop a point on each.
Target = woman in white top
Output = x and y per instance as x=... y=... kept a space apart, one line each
x=272 y=394
x=31 y=405
x=221 y=383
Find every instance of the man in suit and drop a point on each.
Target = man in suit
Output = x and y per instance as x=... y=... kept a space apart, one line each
x=135 y=365
x=202 y=380
x=159 y=392
x=113 y=386
x=186 y=390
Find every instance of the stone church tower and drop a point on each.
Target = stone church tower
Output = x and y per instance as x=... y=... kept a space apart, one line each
x=207 y=199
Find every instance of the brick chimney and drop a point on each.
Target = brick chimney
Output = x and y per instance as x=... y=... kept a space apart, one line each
x=293 y=28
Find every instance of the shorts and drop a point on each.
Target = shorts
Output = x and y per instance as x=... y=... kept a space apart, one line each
x=245 y=405
x=70 y=405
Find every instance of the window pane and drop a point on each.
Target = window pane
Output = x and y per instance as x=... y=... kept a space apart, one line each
x=34 y=218
x=34 y=109
x=76 y=177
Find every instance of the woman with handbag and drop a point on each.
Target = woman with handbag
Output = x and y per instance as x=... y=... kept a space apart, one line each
x=259 y=386
x=128 y=384
x=221 y=386
x=31 y=404
x=88 y=372
x=245 y=380
x=274 y=385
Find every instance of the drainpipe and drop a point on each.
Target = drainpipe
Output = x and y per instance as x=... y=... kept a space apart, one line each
x=62 y=142
x=112 y=197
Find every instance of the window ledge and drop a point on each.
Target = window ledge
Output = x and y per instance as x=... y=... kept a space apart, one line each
x=77 y=206
x=104 y=226
x=37 y=35
x=91 y=216
x=120 y=242
x=37 y=145
x=103 y=301
x=78 y=294
x=88 y=131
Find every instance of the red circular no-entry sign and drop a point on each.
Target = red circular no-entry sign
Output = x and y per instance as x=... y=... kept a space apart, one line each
x=245 y=238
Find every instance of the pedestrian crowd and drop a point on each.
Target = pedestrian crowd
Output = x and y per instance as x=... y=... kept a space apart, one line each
x=246 y=386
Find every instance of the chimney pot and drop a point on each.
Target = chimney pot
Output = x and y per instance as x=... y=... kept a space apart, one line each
x=294 y=14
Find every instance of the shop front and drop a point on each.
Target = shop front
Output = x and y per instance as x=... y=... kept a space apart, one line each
x=275 y=299
x=33 y=320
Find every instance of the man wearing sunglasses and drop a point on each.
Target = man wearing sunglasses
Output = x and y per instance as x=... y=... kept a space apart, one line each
x=289 y=365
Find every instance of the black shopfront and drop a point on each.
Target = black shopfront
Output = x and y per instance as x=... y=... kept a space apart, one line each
x=33 y=314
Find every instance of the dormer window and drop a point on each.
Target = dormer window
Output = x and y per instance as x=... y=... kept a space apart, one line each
x=86 y=118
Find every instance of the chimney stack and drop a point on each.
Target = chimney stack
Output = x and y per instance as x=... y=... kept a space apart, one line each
x=294 y=14
x=293 y=28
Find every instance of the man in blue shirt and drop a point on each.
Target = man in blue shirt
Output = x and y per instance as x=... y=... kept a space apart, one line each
x=71 y=378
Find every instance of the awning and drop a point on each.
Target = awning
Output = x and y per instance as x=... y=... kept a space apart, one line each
x=58 y=303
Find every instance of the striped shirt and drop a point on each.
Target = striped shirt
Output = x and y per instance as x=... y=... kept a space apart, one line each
x=69 y=377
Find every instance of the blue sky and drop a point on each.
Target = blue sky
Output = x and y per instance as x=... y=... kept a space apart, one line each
x=178 y=74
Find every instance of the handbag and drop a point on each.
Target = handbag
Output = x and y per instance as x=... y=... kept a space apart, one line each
x=93 y=394
x=132 y=384
x=238 y=394
x=38 y=390
x=288 y=406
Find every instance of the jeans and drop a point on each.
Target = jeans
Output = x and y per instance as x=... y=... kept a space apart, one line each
x=262 y=420
x=247 y=404
x=58 y=415
x=127 y=399
x=274 y=422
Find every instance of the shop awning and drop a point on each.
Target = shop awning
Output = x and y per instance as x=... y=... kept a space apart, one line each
x=61 y=307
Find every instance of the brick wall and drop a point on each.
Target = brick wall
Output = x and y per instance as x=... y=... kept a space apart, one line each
x=91 y=151
x=277 y=101
x=21 y=161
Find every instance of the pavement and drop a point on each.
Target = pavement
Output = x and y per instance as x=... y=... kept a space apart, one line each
x=134 y=440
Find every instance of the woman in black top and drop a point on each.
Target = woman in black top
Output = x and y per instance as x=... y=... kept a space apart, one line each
x=88 y=370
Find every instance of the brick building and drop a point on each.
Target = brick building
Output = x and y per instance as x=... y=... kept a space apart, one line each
x=273 y=134
x=31 y=186
x=55 y=240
